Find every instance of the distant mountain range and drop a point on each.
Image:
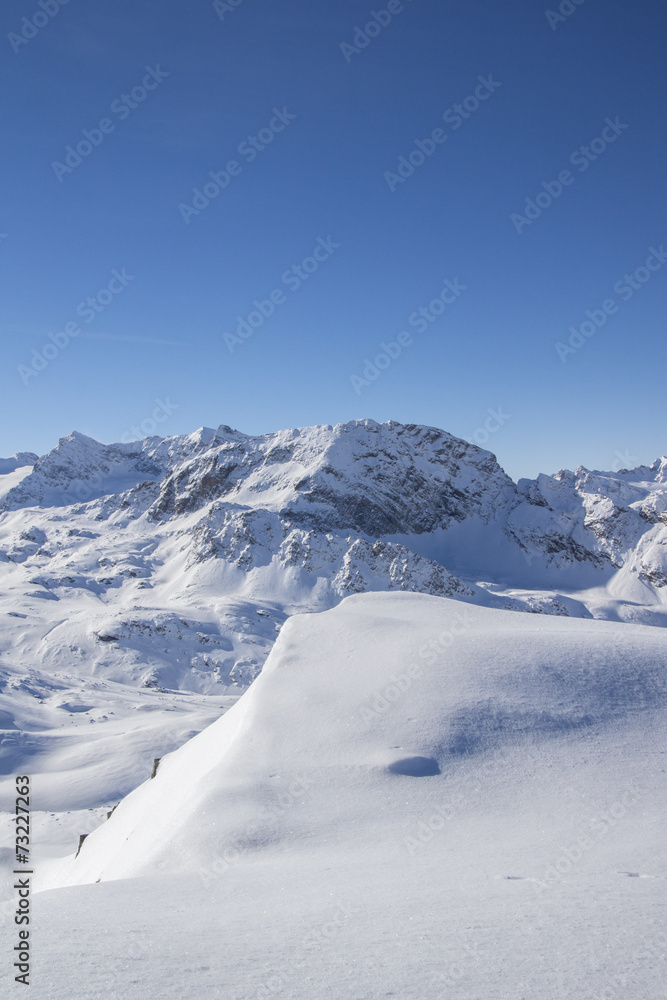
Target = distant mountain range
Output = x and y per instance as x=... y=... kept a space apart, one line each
x=173 y=562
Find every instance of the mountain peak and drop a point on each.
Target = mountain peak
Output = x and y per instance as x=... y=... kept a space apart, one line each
x=21 y=460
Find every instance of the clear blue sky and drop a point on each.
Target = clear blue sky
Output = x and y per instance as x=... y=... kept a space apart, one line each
x=200 y=81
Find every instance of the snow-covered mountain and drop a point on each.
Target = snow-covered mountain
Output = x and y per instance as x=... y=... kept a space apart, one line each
x=155 y=576
x=304 y=517
x=173 y=562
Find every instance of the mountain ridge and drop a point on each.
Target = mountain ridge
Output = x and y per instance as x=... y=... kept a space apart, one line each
x=140 y=541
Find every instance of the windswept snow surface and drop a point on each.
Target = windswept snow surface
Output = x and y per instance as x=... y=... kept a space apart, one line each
x=416 y=798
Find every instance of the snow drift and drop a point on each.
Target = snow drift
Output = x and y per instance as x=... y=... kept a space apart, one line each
x=356 y=703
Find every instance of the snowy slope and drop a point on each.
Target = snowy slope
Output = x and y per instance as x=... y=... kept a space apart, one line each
x=416 y=797
x=14 y=470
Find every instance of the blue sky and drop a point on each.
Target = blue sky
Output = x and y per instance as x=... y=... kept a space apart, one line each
x=306 y=121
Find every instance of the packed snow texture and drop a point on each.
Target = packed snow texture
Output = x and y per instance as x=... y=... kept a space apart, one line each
x=417 y=797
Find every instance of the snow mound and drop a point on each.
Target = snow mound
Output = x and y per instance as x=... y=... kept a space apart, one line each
x=353 y=704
